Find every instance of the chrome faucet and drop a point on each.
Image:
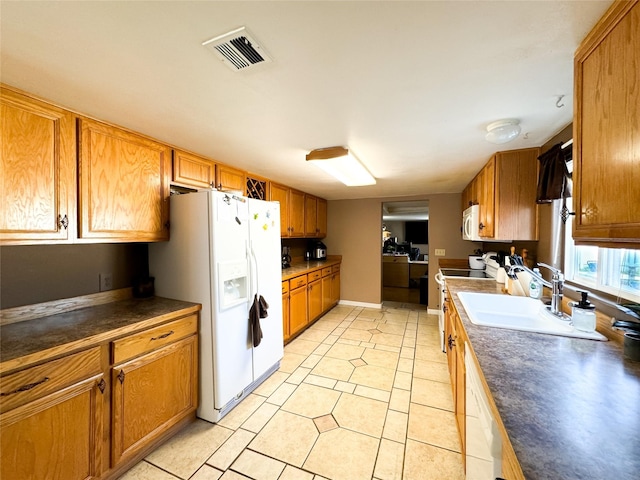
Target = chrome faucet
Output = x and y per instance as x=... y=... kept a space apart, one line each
x=556 y=284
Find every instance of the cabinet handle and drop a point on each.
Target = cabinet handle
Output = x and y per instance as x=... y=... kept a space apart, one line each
x=24 y=388
x=163 y=336
x=452 y=342
x=481 y=226
x=121 y=377
x=444 y=309
x=63 y=222
x=102 y=385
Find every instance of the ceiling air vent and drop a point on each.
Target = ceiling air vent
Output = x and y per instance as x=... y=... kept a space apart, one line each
x=237 y=49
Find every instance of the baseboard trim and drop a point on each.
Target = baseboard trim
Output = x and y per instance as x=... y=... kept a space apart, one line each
x=360 y=304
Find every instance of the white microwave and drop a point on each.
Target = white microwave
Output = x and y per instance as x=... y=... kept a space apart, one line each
x=471 y=224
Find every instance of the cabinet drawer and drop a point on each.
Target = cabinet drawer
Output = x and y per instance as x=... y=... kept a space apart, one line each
x=298 y=282
x=285 y=287
x=335 y=268
x=32 y=383
x=326 y=271
x=315 y=275
x=149 y=340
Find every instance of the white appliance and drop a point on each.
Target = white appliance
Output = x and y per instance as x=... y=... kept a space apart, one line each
x=442 y=290
x=471 y=223
x=442 y=275
x=483 y=441
x=224 y=250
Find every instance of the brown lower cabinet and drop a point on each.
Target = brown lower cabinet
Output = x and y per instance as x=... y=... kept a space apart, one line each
x=52 y=420
x=455 y=338
x=61 y=418
x=307 y=297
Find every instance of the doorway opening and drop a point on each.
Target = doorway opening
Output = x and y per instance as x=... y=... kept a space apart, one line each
x=405 y=252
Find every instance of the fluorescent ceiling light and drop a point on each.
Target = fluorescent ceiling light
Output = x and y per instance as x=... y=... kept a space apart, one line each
x=503 y=131
x=341 y=164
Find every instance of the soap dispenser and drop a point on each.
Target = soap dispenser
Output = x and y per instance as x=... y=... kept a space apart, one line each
x=583 y=313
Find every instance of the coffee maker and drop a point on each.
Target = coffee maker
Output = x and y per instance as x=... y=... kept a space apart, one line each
x=286 y=258
x=318 y=250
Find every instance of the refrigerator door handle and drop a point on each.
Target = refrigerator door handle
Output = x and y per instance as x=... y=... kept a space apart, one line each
x=253 y=271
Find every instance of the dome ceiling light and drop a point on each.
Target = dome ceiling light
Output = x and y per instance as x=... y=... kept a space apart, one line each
x=503 y=131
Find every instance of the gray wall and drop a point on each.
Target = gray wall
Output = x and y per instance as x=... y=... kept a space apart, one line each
x=33 y=274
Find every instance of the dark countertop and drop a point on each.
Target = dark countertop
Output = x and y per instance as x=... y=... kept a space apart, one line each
x=35 y=340
x=300 y=268
x=571 y=407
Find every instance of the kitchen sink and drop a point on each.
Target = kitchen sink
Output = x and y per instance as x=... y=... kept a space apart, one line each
x=518 y=313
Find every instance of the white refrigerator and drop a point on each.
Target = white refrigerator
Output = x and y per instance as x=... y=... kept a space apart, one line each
x=224 y=252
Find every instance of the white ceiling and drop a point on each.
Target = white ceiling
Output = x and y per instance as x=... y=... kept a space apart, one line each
x=408 y=86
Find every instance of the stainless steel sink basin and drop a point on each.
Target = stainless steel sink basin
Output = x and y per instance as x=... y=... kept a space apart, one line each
x=518 y=313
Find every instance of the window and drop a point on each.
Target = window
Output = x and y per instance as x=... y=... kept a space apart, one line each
x=615 y=271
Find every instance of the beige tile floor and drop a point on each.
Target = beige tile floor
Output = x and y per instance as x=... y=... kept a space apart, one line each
x=362 y=394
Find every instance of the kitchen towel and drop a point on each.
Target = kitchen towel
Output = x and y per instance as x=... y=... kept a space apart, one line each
x=554 y=179
x=258 y=310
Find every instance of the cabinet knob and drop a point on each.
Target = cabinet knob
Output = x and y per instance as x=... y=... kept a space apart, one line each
x=63 y=222
x=102 y=385
x=121 y=377
x=452 y=342
x=481 y=226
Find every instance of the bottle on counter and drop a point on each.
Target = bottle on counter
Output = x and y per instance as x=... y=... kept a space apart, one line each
x=583 y=313
x=535 y=286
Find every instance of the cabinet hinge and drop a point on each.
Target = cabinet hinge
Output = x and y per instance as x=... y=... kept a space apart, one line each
x=121 y=377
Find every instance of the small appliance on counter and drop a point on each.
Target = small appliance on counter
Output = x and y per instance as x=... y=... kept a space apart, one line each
x=318 y=250
x=286 y=258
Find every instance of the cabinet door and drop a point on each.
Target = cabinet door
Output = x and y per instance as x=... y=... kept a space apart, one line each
x=280 y=193
x=460 y=395
x=335 y=288
x=321 y=220
x=285 y=316
x=58 y=436
x=310 y=215
x=230 y=179
x=298 y=318
x=327 y=299
x=486 y=194
x=516 y=211
x=315 y=299
x=296 y=213
x=607 y=131
x=124 y=185
x=192 y=170
x=37 y=171
x=151 y=394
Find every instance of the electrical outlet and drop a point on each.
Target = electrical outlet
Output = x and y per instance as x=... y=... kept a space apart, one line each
x=106 y=281
x=440 y=252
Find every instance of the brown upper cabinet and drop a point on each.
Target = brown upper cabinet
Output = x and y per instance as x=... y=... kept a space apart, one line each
x=229 y=179
x=606 y=131
x=193 y=170
x=291 y=210
x=37 y=171
x=68 y=178
x=505 y=189
x=296 y=213
x=123 y=185
x=315 y=222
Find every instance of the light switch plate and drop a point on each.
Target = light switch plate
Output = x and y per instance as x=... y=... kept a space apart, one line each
x=440 y=252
